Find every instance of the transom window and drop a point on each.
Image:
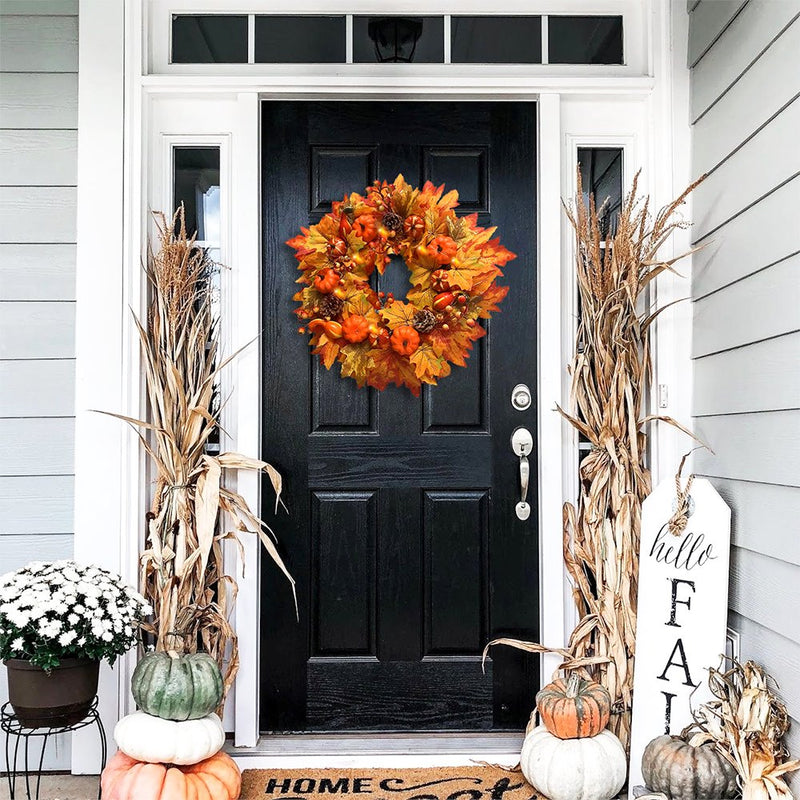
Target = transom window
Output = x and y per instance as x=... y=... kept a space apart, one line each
x=362 y=39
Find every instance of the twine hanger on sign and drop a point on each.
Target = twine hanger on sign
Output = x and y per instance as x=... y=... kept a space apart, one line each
x=680 y=519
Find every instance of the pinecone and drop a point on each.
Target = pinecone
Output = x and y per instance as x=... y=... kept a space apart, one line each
x=331 y=306
x=424 y=321
x=392 y=221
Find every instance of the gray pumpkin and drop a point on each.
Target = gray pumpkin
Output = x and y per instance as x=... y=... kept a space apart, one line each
x=684 y=772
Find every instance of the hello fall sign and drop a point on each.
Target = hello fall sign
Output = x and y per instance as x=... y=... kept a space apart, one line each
x=682 y=611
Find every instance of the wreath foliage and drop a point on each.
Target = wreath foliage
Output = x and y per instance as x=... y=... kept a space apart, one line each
x=452 y=264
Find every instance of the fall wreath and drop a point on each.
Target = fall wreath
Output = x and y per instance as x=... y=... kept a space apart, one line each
x=452 y=266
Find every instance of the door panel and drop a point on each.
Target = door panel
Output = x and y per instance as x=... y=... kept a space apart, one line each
x=401 y=530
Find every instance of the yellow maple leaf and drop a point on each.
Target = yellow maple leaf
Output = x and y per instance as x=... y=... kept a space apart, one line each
x=357 y=361
x=428 y=365
x=397 y=314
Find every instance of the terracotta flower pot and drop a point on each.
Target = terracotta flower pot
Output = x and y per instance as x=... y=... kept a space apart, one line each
x=55 y=699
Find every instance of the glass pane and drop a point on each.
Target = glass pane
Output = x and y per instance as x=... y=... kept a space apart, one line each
x=585 y=40
x=405 y=40
x=601 y=174
x=301 y=40
x=196 y=182
x=496 y=40
x=209 y=39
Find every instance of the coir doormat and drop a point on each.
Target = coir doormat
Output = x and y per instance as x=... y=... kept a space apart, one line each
x=437 y=783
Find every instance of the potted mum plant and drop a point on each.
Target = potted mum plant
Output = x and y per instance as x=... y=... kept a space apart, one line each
x=58 y=621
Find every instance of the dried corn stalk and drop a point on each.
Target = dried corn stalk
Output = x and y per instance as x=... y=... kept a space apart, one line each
x=182 y=572
x=747 y=723
x=611 y=374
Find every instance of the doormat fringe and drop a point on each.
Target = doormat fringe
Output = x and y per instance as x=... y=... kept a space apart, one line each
x=487 y=782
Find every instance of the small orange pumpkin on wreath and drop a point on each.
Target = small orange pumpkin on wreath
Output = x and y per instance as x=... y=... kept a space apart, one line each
x=452 y=264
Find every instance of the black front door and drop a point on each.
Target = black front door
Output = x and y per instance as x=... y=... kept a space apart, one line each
x=401 y=530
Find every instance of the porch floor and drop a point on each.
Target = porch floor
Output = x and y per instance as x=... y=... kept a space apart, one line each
x=57 y=786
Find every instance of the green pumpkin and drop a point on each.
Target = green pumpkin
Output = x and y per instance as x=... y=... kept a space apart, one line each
x=177 y=687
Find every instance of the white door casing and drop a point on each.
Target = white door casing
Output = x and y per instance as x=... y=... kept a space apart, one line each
x=130 y=160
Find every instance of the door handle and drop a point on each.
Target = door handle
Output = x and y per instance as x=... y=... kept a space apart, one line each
x=522 y=445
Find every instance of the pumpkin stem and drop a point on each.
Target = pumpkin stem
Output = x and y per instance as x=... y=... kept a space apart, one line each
x=173 y=654
x=573 y=685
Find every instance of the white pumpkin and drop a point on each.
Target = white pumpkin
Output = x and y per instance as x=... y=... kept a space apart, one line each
x=148 y=738
x=593 y=768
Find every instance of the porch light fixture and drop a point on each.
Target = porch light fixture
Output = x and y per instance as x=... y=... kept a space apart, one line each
x=395 y=38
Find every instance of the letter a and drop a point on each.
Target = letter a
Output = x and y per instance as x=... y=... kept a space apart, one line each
x=682 y=663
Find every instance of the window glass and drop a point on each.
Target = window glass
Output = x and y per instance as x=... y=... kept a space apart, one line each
x=209 y=39
x=403 y=40
x=601 y=175
x=496 y=40
x=584 y=40
x=197 y=186
x=301 y=40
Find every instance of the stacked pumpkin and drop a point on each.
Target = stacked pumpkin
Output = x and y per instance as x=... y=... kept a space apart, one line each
x=571 y=756
x=171 y=748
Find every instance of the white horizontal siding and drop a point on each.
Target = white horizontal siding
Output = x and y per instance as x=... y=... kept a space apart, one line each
x=765 y=518
x=761 y=165
x=758 y=307
x=37 y=330
x=37 y=272
x=709 y=20
x=37 y=447
x=766 y=590
x=761 y=447
x=35 y=505
x=735 y=251
x=744 y=109
x=38 y=158
x=38 y=214
x=39 y=100
x=744 y=40
x=40 y=388
x=38 y=43
x=763 y=376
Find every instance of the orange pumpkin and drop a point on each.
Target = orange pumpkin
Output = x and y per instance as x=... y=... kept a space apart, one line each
x=365 y=227
x=442 y=249
x=574 y=708
x=414 y=226
x=216 y=778
x=326 y=281
x=405 y=340
x=355 y=328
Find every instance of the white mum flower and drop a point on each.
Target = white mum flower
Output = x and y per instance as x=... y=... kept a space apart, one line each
x=66 y=638
x=18 y=644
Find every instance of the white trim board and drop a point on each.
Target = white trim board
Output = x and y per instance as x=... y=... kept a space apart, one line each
x=587 y=108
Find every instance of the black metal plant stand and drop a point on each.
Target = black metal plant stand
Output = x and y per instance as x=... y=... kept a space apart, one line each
x=11 y=726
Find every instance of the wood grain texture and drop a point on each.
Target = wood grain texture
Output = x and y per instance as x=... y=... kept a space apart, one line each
x=746 y=107
x=758 y=307
x=39 y=43
x=759 y=377
x=36 y=505
x=744 y=41
x=733 y=252
x=38 y=214
x=760 y=166
x=761 y=447
x=39 y=100
x=709 y=20
x=38 y=158
x=37 y=271
x=37 y=446
x=37 y=330
x=779 y=654
x=766 y=518
x=766 y=590
x=17 y=551
x=40 y=388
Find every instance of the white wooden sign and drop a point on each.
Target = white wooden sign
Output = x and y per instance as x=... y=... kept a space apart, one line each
x=682 y=612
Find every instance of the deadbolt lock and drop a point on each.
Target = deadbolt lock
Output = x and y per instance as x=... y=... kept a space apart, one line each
x=521 y=397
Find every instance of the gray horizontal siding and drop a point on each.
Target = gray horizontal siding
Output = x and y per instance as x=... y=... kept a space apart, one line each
x=37 y=330
x=37 y=446
x=37 y=272
x=38 y=158
x=38 y=214
x=745 y=90
x=39 y=43
x=40 y=388
x=36 y=504
x=39 y=101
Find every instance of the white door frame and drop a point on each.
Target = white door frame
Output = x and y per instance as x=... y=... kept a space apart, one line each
x=119 y=179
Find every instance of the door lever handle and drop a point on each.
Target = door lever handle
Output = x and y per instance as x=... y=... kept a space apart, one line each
x=522 y=445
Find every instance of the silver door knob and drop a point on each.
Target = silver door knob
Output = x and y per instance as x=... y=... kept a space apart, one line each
x=522 y=445
x=521 y=397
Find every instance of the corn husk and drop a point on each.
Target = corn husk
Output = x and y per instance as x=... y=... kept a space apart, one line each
x=747 y=723
x=193 y=510
x=611 y=375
